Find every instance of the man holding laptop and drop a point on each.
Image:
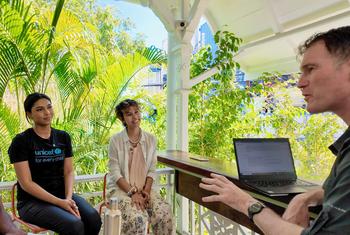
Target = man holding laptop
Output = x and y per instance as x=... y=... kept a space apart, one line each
x=325 y=84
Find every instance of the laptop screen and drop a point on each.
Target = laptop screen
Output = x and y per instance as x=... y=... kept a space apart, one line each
x=263 y=156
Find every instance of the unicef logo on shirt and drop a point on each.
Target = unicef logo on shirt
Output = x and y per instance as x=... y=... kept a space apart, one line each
x=48 y=153
x=58 y=151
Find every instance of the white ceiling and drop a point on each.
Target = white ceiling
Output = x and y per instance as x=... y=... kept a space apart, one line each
x=271 y=29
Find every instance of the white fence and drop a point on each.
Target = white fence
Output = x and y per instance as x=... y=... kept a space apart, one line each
x=201 y=220
x=164 y=180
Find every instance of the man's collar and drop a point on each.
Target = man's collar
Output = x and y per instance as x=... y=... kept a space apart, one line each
x=338 y=144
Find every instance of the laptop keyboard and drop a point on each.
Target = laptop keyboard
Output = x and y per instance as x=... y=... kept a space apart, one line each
x=272 y=183
x=262 y=183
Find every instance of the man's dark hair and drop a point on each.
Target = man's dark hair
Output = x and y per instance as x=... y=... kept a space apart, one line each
x=124 y=105
x=337 y=42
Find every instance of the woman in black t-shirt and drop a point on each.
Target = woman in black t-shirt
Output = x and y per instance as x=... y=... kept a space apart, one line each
x=42 y=157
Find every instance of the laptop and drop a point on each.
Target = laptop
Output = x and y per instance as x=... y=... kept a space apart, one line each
x=267 y=165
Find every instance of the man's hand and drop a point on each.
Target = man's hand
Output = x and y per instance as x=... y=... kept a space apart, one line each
x=297 y=211
x=227 y=192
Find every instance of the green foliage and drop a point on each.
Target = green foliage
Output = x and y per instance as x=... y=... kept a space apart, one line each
x=84 y=58
x=219 y=110
x=112 y=31
x=85 y=77
x=313 y=154
x=9 y=127
x=228 y=45
x=20 y=55
x=217 y=102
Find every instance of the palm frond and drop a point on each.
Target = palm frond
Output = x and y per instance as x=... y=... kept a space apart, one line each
x=115 y=80
x=21 y=46
x=9 y=125
x=56 y=16
x=154 y=55
x=67 y=80
x=74 y=84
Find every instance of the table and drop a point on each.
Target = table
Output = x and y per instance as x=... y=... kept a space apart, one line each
x=188 y=174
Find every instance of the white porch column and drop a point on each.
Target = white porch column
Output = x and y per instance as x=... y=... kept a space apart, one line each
x=177 y=109
x=181 y=18
x=184 y=91
x=183 y=71
x=171 y=92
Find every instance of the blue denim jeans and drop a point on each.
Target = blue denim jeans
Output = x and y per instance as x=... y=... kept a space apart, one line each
x=56 y=219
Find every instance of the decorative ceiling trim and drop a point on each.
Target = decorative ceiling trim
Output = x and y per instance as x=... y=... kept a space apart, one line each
x=345 y=14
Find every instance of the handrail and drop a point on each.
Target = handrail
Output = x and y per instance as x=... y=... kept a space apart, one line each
x=7 y=186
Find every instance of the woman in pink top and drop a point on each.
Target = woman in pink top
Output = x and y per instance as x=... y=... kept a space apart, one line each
x=132 y=164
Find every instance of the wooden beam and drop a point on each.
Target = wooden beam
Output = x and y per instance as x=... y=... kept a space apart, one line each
x=197 y=12
x=272 y=16
x=203 y=76
x=162 y=11
x=299 y=29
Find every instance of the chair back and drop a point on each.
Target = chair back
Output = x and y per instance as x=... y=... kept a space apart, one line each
x=104 y=197
x=33 y=228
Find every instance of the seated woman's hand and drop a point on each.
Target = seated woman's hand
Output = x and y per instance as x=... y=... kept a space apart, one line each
x=74 y=206
x=146 y=195
x=138 y=200
x=70 y=206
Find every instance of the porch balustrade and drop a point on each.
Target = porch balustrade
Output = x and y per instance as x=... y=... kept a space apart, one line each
x=202 y=220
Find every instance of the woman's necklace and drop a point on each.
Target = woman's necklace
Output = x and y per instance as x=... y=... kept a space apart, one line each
x=135 y=143
x=44 y=133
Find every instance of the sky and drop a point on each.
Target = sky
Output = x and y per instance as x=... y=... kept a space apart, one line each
x=144 y=19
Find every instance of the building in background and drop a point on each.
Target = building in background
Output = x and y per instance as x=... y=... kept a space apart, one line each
x=157 y=77
x=204 y=37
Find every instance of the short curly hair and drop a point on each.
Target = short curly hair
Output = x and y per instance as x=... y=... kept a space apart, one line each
x=123 y=106
x=337 y=42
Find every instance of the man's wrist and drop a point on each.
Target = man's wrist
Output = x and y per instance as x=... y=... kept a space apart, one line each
x=246 y=204
x=254 y=209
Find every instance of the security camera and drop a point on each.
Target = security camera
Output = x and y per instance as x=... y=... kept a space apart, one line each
x=181 y=24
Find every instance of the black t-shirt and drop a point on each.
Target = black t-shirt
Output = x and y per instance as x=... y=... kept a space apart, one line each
x=45 y=158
